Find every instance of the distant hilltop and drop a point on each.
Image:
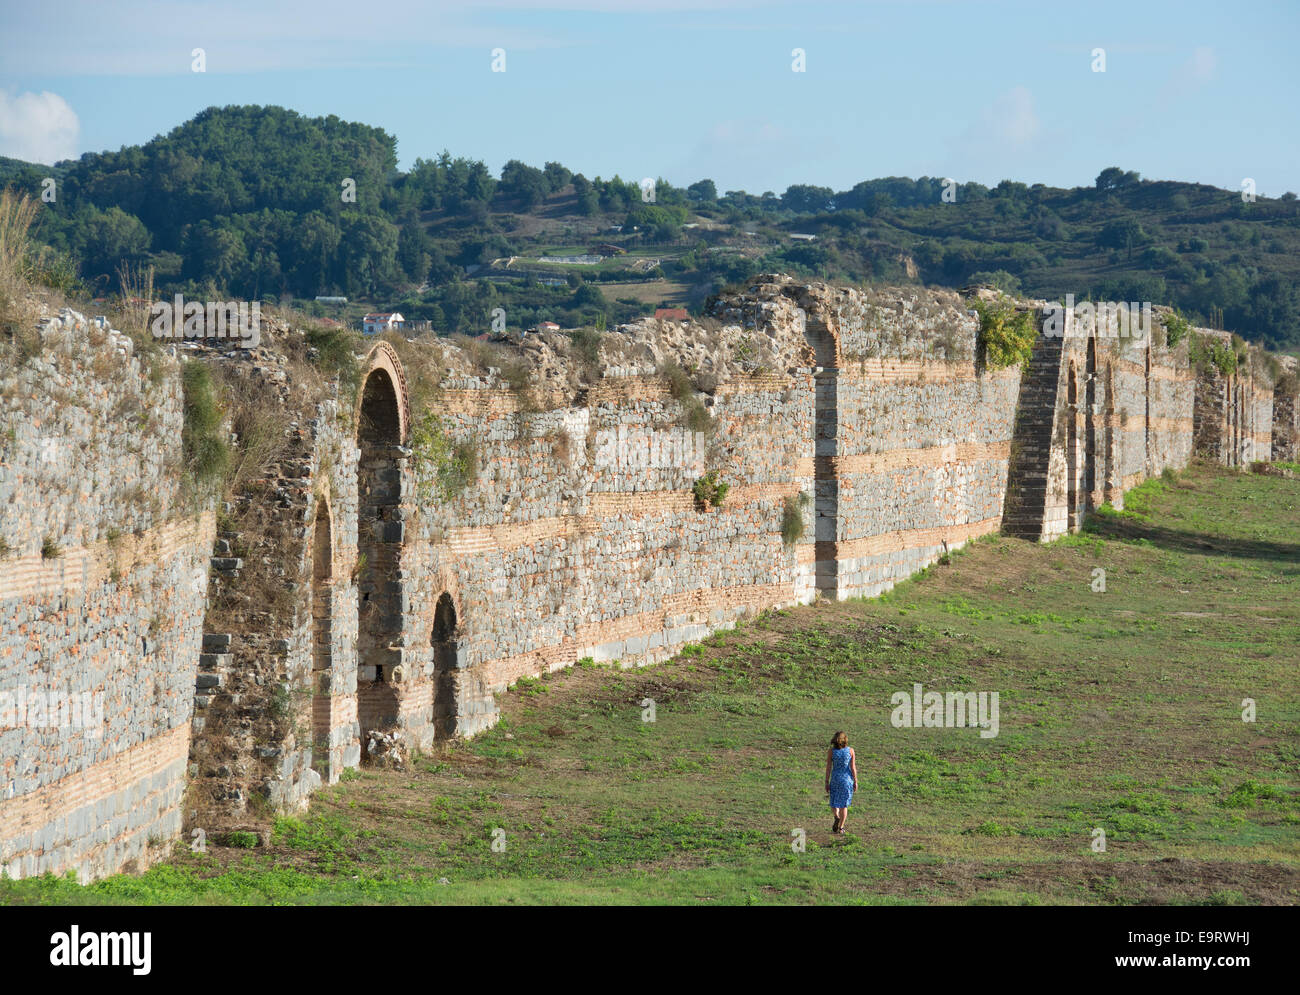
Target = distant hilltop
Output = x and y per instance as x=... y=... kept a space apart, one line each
x=263 y=203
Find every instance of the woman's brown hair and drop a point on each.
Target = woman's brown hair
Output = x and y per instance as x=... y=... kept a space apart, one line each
x=840 y=740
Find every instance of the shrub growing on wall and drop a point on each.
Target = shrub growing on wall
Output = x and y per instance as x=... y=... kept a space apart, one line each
x=205 y=451
x=1206 y=352
x=710 y=491
x=1006 y=336
x=1177 y=328
x=586 y=344
x=792 y=524
x=695 y=416
x=336 y=357
x=443 y=467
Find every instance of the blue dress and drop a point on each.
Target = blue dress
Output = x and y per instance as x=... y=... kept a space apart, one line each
x=841 y=778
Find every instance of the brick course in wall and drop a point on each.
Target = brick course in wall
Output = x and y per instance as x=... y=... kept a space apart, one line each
x=102 y=585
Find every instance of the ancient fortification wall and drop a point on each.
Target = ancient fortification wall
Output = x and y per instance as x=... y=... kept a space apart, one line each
x=102 y=587
x=409 y=548
x=275 y=701
x=1286 y=413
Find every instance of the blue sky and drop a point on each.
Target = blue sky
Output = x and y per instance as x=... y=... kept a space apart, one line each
x=976 y=91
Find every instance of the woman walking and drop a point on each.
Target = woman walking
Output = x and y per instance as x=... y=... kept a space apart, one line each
x=841 y=779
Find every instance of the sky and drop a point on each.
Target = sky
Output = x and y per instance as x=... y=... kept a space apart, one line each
x=1191 y=90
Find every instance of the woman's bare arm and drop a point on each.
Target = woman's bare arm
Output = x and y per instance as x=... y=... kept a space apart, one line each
x=853 y=766
x=828 y=770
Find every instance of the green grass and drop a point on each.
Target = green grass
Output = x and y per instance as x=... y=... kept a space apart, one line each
x=1119 y=710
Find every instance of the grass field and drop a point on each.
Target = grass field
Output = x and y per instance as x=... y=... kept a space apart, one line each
x=1120 y=710
x=659 y=293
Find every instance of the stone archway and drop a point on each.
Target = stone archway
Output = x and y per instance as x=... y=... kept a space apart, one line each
x=1091 y=489
x=1234 y=427
x=322 y=639
x=1072 y=452
x=445 y=642
x=382 y=420
x=1146 y=423
x=1113 y=490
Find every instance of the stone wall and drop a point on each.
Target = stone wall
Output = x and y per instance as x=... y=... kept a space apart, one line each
x=581 y=537
x=363 y=601
x=1108 y=411
x=103 y=569
x=1286 y=414
x=275 y=703
x=1235 y=423
x=1260 y=420
x=913 y=441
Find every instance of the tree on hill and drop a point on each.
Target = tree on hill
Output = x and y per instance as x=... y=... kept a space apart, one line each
x=557 y=177
x=1114 y=178
x=704 y=191
x=804 y=199
x=522 y=184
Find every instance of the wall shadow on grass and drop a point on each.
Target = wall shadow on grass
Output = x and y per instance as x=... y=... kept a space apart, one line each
x=1127 y=529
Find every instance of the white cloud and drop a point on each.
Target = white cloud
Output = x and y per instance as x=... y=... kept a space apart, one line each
x=37 y=127
x=1012 y=118
x=1203 y=63
x=1188 y=77
x=155 y=37
x=1005 y=139
x=244 y=36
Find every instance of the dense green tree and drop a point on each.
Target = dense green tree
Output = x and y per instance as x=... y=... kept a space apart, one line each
x=1114 y=178
x=413 y=248
x=804 y=199
x=523 y=184
x=704 y=191
x=557 y=177
x=111 y=237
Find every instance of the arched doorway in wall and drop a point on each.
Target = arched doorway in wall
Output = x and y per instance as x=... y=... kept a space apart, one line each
x=1247 y=452
x=322 y=638
x=1234 y=402
x=1090 y=486
x=1147 y=468
x=1072 y=451
x=444 y=640
x=379 y=543
x=825 y=444
x=1112 y=487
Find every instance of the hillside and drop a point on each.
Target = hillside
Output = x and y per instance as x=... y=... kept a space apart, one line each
x=255 y=202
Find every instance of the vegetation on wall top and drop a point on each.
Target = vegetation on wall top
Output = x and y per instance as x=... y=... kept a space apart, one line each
x=1006 y=336
x=1176 y=328
x=204 y=449
x=1208 y=352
